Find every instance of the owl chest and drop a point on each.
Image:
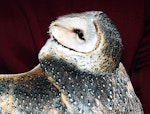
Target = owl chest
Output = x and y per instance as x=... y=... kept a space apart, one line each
x=82 y=90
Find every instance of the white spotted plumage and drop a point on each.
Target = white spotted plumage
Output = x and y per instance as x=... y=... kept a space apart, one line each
x=79 y=72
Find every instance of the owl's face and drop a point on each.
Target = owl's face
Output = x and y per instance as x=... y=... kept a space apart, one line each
x=80 y=39
x=76 y=33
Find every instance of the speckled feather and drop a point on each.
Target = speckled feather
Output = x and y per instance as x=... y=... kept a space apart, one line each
x=74 y=81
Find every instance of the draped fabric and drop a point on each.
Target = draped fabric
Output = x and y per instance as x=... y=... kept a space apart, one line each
x=24 y=25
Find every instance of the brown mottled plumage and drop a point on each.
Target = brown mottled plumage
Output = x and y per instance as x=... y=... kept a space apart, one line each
x=79 y=72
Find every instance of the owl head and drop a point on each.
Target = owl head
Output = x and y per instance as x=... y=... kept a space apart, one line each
x=88 y=40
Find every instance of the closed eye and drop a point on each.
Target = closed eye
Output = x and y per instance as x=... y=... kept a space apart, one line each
x=79 y=33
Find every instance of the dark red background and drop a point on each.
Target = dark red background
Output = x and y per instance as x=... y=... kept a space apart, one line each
x=24 y=23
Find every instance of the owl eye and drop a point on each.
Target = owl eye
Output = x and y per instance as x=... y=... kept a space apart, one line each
x=79 y=33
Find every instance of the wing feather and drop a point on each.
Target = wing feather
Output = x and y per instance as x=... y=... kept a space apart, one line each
x=18 y=91
x=133 y=103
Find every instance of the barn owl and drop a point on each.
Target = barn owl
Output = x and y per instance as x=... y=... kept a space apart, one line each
x=79 y=72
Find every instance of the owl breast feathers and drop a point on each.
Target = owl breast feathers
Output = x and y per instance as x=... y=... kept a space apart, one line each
x=79 y=72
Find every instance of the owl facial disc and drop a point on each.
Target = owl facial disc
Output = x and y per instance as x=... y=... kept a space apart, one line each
x=75 y=33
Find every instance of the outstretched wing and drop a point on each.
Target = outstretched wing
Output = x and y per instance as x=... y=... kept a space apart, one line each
x=28 y=92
